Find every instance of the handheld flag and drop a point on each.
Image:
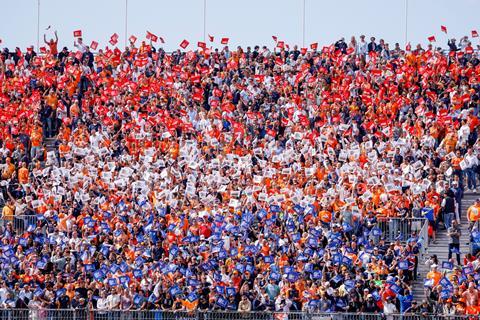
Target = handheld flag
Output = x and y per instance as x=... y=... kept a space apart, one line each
x=184 y=44
x=151 y=36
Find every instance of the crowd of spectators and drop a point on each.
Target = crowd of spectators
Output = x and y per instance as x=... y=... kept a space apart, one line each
x=249 y=180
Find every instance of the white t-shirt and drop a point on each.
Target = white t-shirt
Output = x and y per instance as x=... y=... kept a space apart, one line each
x=102 y=304
x=3 y=294
x=471 y=159
x=389 y=308
x=113 y=301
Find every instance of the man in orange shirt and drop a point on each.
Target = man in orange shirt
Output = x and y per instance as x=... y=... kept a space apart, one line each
x=457 y=170
x=36 y=141
x=52 y=44
x=8 y=170
x=23 y=174
x=8 y=211
x=449 y=142
x=473 y=213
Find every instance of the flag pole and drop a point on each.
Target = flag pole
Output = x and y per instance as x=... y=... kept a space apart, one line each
x=303 y=25
x=126 y=22
x=204 y=20
x=406 y=22
x=38 y=25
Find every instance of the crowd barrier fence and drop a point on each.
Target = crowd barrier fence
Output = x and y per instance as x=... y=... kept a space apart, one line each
x=402 y=229
x=392 y=228
x=83 y=314
x=20 y=222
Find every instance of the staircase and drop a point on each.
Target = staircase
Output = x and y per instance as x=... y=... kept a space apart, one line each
x=440 y=248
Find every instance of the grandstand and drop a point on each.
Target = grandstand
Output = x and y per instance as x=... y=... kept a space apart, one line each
x=330 y=181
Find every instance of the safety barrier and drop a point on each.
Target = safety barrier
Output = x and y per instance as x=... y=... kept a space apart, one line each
x=392 y=229
x=423 y=237
x=401 y=228
x=83 y=314
x=20 y=223
x=474 y=243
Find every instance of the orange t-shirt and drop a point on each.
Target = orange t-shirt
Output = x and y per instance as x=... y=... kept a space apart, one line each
x=52 y=101
x=36 y=139
x=456 y=163
x=53 y=47
x=435 y=276
x=23 y=175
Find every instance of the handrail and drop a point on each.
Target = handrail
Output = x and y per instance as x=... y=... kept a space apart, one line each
x=91 y=314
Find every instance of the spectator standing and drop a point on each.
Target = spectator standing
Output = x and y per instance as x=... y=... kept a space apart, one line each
x=454 y=234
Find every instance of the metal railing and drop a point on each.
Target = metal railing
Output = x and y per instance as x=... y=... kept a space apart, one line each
x=474 y=241
x=401 y=228
x=20 y=223
x=83 y=314
x=423 y=237
x=392 y=228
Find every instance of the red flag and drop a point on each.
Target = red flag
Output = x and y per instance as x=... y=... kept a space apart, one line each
x=443 y=28
x=113 y=41
x=132 y=39
x=408 y=47
x=474 y=34
x=271 y=132
x=211 y=38
x=432 y=39
x=77 y=33
x=79 y=55
x=114 y=37
x=184 y=44
x=224 y=41
x=275 y=38
x=151 y=36
x=202 y=45
x=94 y=45
x=43 y=50
x=280 y=44
x=303 y=51
x=314 y=46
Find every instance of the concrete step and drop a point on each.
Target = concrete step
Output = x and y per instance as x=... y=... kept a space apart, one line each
x=440 y=247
